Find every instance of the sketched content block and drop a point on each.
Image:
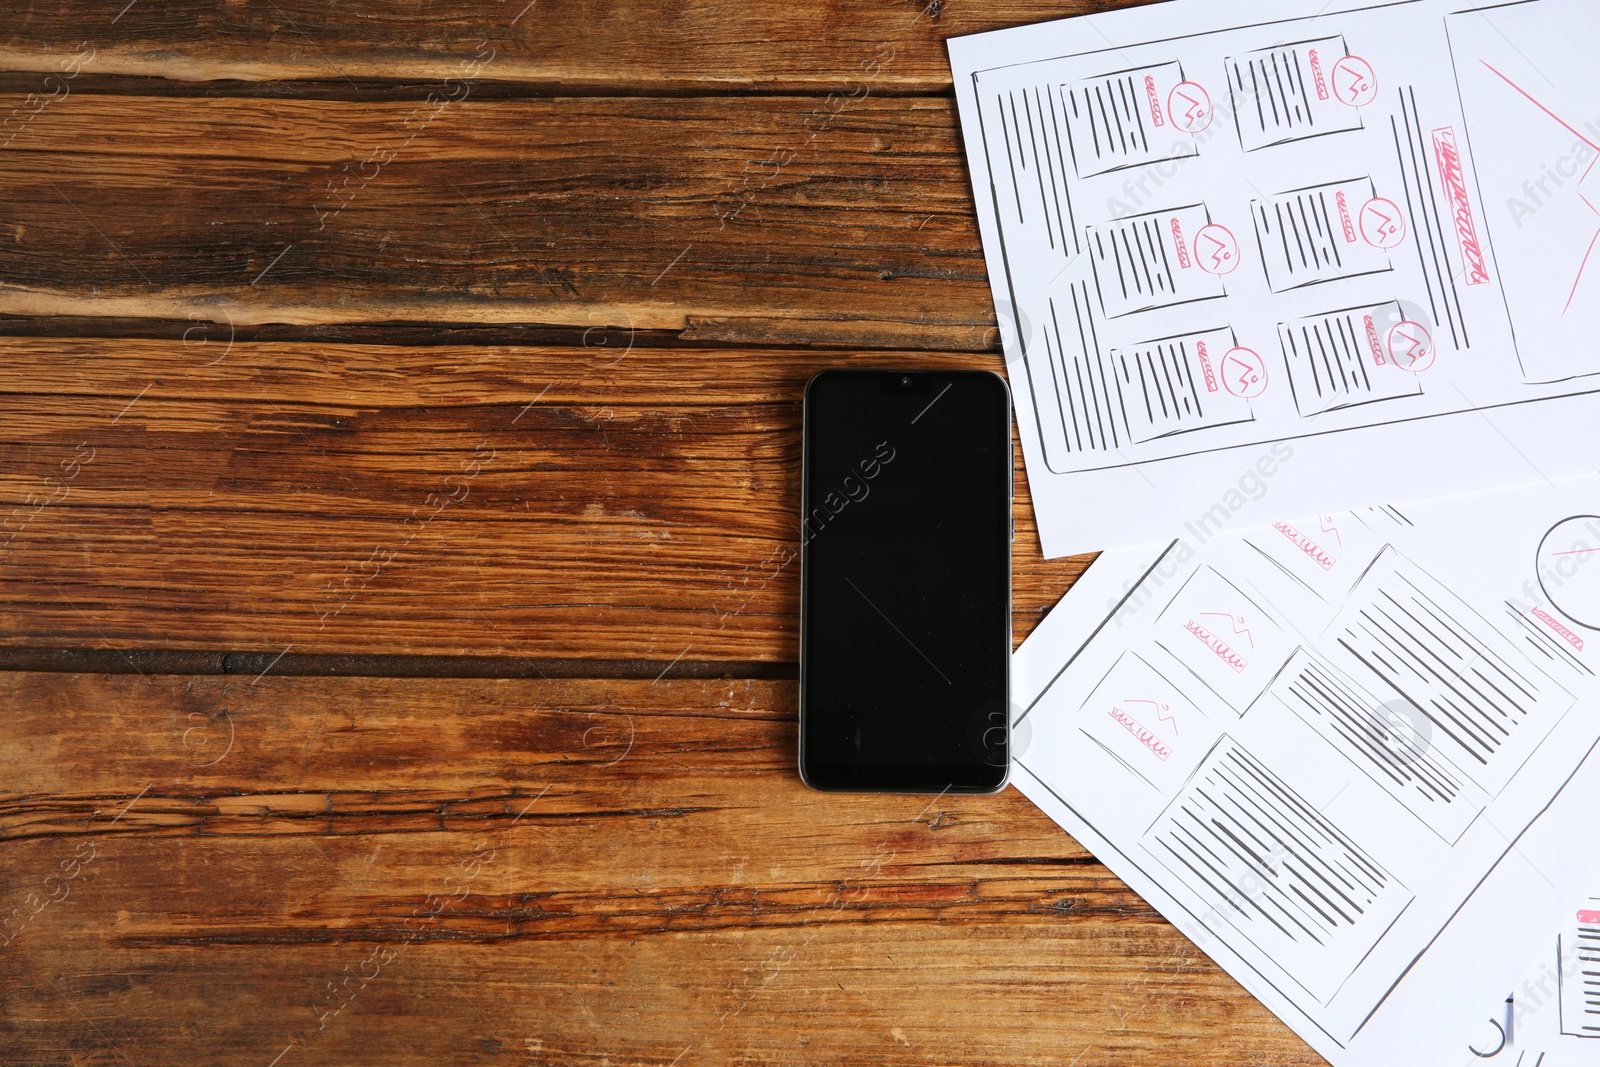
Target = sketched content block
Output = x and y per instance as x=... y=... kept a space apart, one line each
x=1224 y=638
x=1289 y=93
x=1121 y=120
x=1268 y=864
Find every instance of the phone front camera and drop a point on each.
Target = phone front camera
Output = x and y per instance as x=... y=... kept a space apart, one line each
x=905 y=383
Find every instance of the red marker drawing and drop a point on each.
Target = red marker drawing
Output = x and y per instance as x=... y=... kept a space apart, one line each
x=1237 y=622
x=1244 y=374
x=1343 y=203
x=1410 y=347
x=1216 y=250
x=1355 y=82
x=1305 y=544
x=1155 y=104
x=1141 y=733
x=1453 y=180
x=1381 y=224
x=1189 y=107
x=1218 y=646
x=1163 y=712
x=1584 y=183
x=1559 y=627
x=1205 y=366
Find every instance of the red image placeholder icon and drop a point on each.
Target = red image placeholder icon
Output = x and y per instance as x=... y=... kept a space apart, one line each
x=1410 y=347
x=1355 y=82
x=1381 y=224
x=1189 y=107
x=1215 y=250
x=1244 y=374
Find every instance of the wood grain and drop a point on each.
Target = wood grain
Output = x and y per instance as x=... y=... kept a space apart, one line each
x=765 y=220
x=627 y=504
x=403 y=338
x=669 y=889
x=565 y=45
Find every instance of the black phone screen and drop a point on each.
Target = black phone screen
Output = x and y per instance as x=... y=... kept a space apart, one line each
x=905 y=629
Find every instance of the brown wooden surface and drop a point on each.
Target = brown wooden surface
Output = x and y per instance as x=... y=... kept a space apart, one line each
x=642 y=213
x=641 y=508
x=398 y=604
x=548 y=45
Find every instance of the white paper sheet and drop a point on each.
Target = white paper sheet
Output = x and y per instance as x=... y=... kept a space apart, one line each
x=1354 y=757
x=1262 y=258
x=1551 y=1016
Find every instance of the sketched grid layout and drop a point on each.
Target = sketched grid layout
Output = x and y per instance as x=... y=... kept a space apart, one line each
x=1099 y=401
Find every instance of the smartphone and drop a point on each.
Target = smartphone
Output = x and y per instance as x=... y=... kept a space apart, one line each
x=905 y=574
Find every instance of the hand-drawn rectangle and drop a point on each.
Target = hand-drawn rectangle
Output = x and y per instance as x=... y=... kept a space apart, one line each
x=1268 y=864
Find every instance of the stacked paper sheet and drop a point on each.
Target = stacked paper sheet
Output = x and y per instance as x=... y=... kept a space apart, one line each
x=1354 y=757
x=1265 y=259
x=1262 y=259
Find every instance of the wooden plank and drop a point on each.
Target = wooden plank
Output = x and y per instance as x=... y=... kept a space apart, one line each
x=227 y=872
x=982 y=994
x=570 y=45
x=597 y=503
x=766 y=220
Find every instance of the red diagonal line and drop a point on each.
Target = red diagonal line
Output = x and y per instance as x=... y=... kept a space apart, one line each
x=1529 y=97
x=1577 y=552
x=1579 y=281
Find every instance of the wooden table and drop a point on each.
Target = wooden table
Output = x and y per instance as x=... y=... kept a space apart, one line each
x=399 y=444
